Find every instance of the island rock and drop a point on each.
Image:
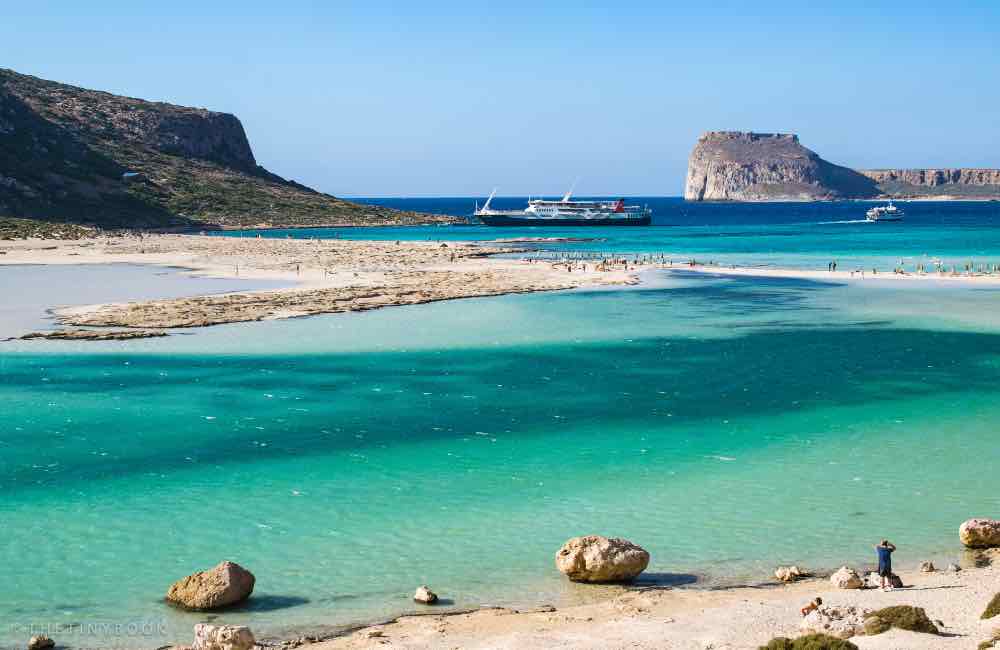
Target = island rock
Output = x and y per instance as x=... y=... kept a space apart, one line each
x=226 y=584
x=980 y=533
x=743 y=166
x=594 y=558
x=222 y=637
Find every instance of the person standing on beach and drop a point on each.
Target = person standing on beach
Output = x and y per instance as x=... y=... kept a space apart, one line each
x=884 y=551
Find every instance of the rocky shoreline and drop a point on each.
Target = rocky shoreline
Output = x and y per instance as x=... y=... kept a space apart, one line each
x=929 y=608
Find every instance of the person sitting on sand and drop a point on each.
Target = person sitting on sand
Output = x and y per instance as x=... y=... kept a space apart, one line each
x=812 y=607
x=884 y=551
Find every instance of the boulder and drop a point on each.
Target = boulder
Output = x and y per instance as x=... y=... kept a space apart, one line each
x=903 y=617
x=841 y=622
x=40 y=642
x=953 y=568
x=599 y=559
x=789 y=573
x=874 y=581
x=980 y=533
x=222 y=637
x=927 y=567
x=846 y=578
x=226 y=584
x=425 y=596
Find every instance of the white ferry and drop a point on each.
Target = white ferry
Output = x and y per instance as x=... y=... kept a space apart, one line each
x=884 y=213
x=564 y=212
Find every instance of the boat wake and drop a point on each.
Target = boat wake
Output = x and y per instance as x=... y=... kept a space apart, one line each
x=826 y=223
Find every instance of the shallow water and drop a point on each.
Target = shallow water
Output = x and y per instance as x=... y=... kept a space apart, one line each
x=29 y=291
x=726 y=424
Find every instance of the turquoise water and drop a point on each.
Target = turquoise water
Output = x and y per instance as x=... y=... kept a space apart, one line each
x=785 y=235
x=726 y=424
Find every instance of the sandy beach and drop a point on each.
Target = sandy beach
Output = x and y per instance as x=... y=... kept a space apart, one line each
x=685 y=618
x=324 y=276
x=330 y=276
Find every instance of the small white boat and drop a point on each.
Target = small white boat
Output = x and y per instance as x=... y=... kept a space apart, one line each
x=884 y=213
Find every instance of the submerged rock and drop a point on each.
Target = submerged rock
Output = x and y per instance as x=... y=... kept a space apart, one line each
x=226 y=584
x=425 y=596
x=841 y=622
x=846 y=578
x=980 y=533
x=222 y=637
x=594 y=558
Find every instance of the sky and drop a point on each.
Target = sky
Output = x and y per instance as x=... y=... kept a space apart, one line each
x=456 y=98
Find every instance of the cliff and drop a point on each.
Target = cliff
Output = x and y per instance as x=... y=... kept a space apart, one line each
x=80 y=156
x=941 y=183
x=740 y=166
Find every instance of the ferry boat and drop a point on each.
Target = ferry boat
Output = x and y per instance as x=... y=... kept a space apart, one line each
x=884 y=213
x=564 y=212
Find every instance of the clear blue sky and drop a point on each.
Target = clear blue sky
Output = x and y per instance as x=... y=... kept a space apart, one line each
x=454 y=98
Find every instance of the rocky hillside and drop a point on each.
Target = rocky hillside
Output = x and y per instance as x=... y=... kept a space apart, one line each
x=940 y=183
x=740 y=166
x=80 y=156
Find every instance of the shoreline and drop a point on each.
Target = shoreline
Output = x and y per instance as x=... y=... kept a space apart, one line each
x=338 y=275
x=326 y=276
x=658 y=616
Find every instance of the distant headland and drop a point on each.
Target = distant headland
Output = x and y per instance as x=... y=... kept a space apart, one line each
x=72 y=157
x=746 y=166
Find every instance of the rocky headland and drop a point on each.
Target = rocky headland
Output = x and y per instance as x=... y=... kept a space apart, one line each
x=69 y=155
x=746 y=166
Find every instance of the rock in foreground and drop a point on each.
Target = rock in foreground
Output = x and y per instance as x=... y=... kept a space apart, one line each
x=846 y=578
x=874 y=581
x=980 y=533
x=599 y=559
x=222 y=637
x=226 y=584
x=809 y=642
x=841 y=622
x=903 y=617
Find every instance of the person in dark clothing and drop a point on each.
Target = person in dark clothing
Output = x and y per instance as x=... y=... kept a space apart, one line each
x=884 y=551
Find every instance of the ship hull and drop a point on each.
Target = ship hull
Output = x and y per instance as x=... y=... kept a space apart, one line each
x=529 y=222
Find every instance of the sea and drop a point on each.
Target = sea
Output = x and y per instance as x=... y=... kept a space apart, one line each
x=726 y=424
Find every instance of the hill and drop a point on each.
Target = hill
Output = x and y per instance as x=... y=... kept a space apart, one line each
x=77 y=156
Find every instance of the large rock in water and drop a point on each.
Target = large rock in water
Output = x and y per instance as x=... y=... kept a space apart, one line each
x=743 y=166
x=599 y=559
x=222 y=637
x=226 y=584
x=980 y=533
